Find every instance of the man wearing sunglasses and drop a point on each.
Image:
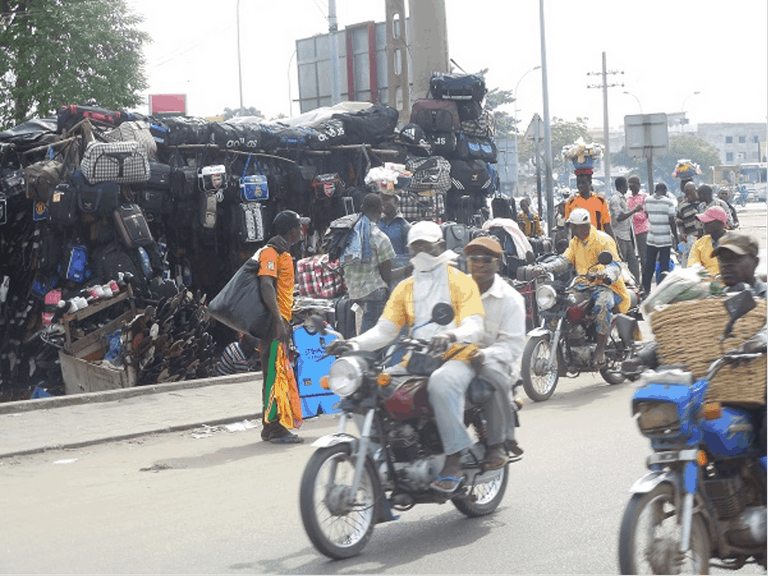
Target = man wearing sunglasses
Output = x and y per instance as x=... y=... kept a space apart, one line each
x=501 y=343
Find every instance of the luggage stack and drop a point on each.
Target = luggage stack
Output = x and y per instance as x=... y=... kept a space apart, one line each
x=459 y=129
x=177 y=204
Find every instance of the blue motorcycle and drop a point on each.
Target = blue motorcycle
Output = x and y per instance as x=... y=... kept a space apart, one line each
x=705 y=494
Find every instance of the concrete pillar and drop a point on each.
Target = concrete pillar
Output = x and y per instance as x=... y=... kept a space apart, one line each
x=398 y=86
x=429 y=43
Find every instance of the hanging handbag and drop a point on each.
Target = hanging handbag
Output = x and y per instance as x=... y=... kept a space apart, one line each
x=327 y=185
x=254 y=187
x=121 y=162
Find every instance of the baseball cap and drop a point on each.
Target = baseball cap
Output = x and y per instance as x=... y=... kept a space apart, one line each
x=737 y=242
x=713 y=213
x=288 y=220
x=487 y=243
x=580 y=216
x=427 y=231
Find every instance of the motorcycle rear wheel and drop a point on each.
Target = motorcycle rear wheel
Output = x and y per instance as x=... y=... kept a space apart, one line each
x=616 y=352
x=650 y=534
x=336 y=529
x=538 y=383
x=484 y=498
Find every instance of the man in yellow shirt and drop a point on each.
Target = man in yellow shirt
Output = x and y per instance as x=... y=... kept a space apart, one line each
x=410 y=304
x=528 y=221
x=714 y=220
x=608 y=289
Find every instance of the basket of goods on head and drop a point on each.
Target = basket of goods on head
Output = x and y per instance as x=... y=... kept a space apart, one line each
x=689 y=333
x=686 y=169
x=583 y=155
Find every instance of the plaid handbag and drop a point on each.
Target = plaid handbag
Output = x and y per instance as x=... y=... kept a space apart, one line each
x=418 y=207
x=133 y=131
x=319 y=278
x=484 y=127
x=430 y=173
x=121 y=162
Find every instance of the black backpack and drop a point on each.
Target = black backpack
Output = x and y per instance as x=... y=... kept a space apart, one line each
x=338 y=236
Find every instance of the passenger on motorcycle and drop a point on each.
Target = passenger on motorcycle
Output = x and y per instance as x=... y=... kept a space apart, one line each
x=607 y=289
x=501 y=346
x=410 y=304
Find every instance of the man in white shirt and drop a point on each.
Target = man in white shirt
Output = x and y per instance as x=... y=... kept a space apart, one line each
x=500 y=346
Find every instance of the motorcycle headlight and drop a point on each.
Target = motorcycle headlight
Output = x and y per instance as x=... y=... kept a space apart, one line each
x=545 y=297
x=346 y=375
x=657 y=418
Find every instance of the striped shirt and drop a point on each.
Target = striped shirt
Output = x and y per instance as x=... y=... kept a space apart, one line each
x=686 y=217
x=659 y=209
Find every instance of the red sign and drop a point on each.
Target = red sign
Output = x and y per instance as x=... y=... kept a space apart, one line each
x=167 y=104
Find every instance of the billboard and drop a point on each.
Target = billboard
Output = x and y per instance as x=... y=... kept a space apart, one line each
x=167 y=104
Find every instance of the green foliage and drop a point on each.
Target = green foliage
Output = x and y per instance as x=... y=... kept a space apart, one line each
x=251 y=111
x=563 y=133
x=494 y=99
x=55 y=52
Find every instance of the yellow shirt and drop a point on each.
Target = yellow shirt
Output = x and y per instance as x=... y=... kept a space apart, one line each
x=465 y=299
x=701 y=253
x=531 y=227
x=584 y=254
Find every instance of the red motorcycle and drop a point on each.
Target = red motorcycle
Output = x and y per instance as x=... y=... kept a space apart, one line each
x=564 y=343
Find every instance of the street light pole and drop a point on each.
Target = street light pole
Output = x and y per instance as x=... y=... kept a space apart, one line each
x=239 y=67
x=514 y=96
x=636 y=98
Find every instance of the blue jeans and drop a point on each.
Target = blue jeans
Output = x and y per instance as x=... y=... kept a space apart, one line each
x=649 y=267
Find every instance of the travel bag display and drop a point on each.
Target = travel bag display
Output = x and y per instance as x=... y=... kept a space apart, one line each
x=131 y=226
x=41 y=177
x=457 y=87
x=435 y=115
x=121 y=162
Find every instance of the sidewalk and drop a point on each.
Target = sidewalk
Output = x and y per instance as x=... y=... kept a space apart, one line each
x=77 y=420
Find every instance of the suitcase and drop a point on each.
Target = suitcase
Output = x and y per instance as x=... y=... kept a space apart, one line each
x=457 y=87
x=68 y=116
x=131 y=226
x=435 y=115
x=121 y=162
x=62 y=205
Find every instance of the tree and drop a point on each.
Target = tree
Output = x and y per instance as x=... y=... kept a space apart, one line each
x=494 y=99
x=55 y=52
x=563 y=133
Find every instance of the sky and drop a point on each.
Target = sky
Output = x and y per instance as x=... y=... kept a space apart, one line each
x=708 y=58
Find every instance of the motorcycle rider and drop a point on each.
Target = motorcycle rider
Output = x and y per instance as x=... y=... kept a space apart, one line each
x=410 y=304
x=608 y=288
x=501 y=346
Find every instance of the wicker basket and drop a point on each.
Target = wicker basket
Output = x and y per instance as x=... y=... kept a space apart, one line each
x=689 y=333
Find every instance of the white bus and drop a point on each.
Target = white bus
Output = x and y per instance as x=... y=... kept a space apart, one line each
x=753 y=177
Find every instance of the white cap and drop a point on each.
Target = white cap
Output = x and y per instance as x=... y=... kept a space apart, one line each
x=580 y=216
x=428 y=231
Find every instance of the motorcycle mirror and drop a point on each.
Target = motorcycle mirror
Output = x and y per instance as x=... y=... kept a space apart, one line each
x=530 y=257
x=442 y=314
x=605 y=257
x=737 y=306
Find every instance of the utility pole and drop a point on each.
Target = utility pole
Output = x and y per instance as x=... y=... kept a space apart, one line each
x=333 y=26
x=547 y=128
x=604 y=85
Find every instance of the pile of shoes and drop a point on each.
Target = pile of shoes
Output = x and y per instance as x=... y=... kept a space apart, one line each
x=170 y=341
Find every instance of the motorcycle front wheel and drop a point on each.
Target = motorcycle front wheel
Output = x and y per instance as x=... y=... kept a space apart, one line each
x=338 y=526
x=485 y=497
x=615 y=353
x=650 y=535
x=539 y=383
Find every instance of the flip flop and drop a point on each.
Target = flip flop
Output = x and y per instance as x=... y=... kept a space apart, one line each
x=454 y=483
x=287 y=439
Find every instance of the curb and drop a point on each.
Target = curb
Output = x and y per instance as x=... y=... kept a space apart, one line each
x=122 y=393
x=132 y=435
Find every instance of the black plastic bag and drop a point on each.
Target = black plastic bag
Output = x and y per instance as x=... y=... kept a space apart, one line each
x=240 y=305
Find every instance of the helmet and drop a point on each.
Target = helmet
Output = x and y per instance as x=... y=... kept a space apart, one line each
x=580 y=216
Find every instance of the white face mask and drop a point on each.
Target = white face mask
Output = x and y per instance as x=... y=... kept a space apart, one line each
x=424 y=262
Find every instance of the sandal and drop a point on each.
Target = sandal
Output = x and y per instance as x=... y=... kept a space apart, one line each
x=447 y=484
x=288 y=438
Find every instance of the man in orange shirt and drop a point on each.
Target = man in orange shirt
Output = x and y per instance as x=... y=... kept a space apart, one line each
x=596 y=205
x=282 y=409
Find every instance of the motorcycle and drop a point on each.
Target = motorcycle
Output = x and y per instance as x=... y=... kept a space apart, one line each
x=351 y=483
x=564 y=343
x=705 y=494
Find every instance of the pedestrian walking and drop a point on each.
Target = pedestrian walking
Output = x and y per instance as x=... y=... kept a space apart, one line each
x=640 y=219
x=662 y=233
x=689 y=226
x=621 y=216
x=282 y=406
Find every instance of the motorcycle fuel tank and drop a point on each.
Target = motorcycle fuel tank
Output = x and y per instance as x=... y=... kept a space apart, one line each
x=729 y=435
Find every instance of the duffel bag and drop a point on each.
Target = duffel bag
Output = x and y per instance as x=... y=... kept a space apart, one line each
x=429 y=174
x=95 y=199
x=187 y=130
x=369 y=126
x=228 y=136
x=42 y=177
x=317 y=277
x=68 y=116
x=132 y=226
x=484 y=126
x=469 y=109
x=134 y=131
x=328 y=133
x=435 y=115
x=457 y=87
x=470 y=176
x=279 y=137
x=443 y=143
x=121 y=162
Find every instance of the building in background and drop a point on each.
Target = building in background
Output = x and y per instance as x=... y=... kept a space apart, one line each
x=737 y=143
